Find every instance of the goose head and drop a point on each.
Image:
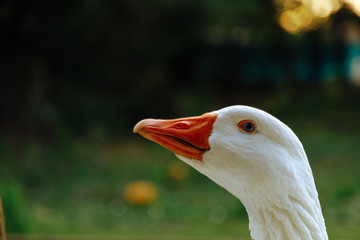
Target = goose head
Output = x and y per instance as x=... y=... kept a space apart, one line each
x=255 y=157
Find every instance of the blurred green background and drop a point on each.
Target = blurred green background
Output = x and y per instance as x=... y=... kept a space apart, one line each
x=75 y=77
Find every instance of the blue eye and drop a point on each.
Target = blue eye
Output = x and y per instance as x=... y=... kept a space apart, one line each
x=247 y=126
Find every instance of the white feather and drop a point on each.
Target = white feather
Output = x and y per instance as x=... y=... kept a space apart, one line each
x=268 y=171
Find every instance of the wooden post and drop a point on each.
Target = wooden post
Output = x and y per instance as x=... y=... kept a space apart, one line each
x=2 y=222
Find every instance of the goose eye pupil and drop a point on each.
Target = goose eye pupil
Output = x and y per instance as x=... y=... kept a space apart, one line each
x=249 y=127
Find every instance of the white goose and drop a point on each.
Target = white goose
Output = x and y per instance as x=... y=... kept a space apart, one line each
x=255 y=157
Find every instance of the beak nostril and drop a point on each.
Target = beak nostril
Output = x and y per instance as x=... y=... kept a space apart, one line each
x=181 y=125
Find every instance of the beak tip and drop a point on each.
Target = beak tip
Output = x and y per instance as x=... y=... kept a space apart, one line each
x=140 y=125
x=137 y=127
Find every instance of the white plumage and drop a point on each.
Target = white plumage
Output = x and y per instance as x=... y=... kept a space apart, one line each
x=266 y=168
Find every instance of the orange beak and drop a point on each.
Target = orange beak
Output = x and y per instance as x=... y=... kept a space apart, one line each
x=184 y=136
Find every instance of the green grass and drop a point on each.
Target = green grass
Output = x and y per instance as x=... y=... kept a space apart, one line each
x=81 y=204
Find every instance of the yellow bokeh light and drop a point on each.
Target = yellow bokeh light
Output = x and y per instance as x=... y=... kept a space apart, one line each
x=302 y=15
x=354 y=5
x=323 y=8
x=295 y=20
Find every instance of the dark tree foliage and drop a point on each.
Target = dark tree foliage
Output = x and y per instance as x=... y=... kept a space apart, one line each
x=75 y=65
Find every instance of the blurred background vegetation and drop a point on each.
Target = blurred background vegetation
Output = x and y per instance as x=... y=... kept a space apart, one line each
x=75 y=76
